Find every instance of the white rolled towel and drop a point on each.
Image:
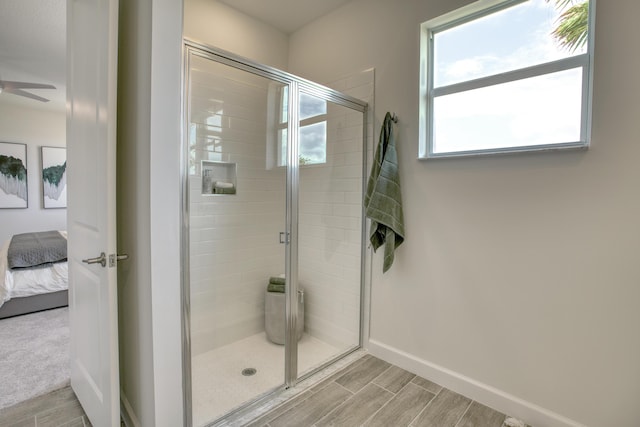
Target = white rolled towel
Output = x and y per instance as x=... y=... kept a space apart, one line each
x=222 y=184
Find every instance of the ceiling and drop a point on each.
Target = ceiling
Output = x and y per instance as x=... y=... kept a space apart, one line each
x=33 y=39
x=32 y=49
x=285 y=15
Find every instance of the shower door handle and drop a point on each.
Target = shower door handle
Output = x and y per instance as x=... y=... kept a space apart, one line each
x=284 y=237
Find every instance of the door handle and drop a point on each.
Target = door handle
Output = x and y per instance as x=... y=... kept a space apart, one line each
x=113 y=259
x=102 y=260
x=284 y=237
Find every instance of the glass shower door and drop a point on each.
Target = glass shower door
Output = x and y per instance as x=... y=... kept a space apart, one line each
x=236 y=220
x=330 y=151
x=272 y=231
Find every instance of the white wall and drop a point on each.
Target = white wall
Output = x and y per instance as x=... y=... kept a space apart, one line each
x=149 y=203
x=518 y=281
x=36 y=128
x=221 y=26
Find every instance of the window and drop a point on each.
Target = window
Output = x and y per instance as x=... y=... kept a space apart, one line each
x=313 y=130
x=506 y=76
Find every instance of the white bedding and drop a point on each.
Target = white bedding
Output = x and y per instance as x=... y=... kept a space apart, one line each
x=28 y=282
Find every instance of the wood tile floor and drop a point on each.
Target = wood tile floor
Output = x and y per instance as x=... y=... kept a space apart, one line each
x=371 y=392
x=55 y=409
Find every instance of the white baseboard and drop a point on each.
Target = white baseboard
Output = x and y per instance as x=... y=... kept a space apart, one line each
x=126 y=412
x=511 y=405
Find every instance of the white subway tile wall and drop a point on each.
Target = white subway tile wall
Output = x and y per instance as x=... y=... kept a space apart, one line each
x=234 y=239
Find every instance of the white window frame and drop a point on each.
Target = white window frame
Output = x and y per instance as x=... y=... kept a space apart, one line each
x=472 y=12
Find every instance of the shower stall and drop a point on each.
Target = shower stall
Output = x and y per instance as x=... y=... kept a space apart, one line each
x=274 y=169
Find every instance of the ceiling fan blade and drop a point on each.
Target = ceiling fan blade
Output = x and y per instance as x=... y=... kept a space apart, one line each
x=25 y=94
x=24 y=85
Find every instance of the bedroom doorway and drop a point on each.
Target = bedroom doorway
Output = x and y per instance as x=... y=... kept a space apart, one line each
x=34 y=52
x=91 y=211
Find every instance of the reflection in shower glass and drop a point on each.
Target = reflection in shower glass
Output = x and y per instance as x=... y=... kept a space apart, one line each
x=310 y=106
x=313 y=143
x=313 y=130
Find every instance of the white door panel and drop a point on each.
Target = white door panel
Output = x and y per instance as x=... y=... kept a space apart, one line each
x=91 y=143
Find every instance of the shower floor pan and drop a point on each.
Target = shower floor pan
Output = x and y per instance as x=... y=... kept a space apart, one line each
x=223 y=379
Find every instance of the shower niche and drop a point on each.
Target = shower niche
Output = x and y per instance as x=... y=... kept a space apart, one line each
x=292 y=155
x=218 y=178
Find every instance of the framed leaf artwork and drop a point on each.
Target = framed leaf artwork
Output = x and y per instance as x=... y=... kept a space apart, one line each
x=54 y=177
x=13 y=176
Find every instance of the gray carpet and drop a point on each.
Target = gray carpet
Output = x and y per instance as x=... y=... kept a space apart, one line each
x=34 y=355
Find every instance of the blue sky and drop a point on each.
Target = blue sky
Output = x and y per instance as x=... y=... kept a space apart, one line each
x=513 y=38
x=313 y=138
x=534 y=111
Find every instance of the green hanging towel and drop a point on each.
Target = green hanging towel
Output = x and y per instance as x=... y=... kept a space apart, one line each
x=383 y=200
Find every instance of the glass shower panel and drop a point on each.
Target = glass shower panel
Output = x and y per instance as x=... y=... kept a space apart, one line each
x=329 y=229
x=237 y=185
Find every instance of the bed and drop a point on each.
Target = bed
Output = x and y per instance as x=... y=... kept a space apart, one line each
x=33 y=273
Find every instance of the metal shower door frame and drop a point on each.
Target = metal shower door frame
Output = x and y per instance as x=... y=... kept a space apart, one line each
x=295 y=84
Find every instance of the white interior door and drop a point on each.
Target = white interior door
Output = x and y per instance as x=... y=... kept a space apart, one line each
x=91 y=155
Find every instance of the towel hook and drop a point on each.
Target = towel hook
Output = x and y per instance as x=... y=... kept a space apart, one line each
x=394 y=117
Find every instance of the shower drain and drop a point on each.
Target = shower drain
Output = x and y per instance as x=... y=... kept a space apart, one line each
x=247 y=372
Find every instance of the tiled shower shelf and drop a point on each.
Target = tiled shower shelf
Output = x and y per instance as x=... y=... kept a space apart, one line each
x=219 y=178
